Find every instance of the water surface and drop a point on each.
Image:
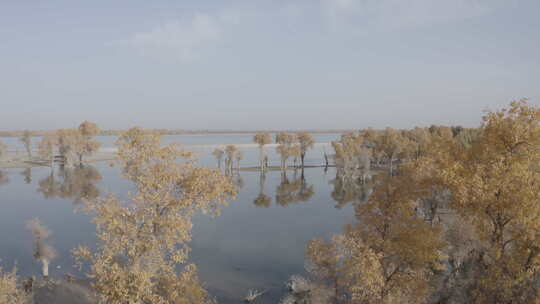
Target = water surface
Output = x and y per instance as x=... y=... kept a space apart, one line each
x=257 y=242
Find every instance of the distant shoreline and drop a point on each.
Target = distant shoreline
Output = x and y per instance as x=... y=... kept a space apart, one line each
x=109 y=154
x=17 y=133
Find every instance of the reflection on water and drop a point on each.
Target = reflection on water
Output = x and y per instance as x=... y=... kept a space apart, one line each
x=247 y=247
x=349 y=188
x=262 y=200
x=76 y=183
x=3 y=178
x=295 y=191
x=27 y=173
x=238 y=181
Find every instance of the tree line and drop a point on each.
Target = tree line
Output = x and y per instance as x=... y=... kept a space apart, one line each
x=453 y=217
x=70 y=145
x=455 y=222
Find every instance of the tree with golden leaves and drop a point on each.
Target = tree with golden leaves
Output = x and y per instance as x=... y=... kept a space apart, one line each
x=218 y=154
x=419 y=140
x=262 y=139
x=441 y=131
x=26 y=139
x=89 y=145
x=391 y=143
x=306 y=142
x=143 y=249
x=284 y=152
x=352 y=158
x=10 y=293
x=70 y=145
x=3 y=149
x=388 y=257
x=286 y=147
x=231 y=152
x=46 y=148
x=496 y=186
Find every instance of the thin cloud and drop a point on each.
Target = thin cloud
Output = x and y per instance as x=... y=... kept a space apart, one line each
x=394 y=14
x=181 y=39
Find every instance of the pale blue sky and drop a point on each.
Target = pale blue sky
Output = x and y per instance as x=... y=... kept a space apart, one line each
x=264 y=64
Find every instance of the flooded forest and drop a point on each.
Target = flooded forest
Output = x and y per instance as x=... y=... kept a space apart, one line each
x=426 y=215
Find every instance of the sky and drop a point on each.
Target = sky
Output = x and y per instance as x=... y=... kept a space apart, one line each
x=262 y=64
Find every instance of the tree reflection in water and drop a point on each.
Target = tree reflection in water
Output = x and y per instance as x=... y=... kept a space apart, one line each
x=295 y=191
x=262 y=200
x=27 y=173
x=349 y=188
x=3 y=178
x=77 y=183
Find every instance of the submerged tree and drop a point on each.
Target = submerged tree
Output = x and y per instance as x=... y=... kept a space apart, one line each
x=306 y=142
x=218 y=154
x=43 y=252
x=74 y=144
x=262 y=139
x=69 y=143
x=46 y=148
x=143 y=250
x=26 y=139
x=89 y=146
x=3 y=149
x=352 y=157
x=231 y=153
x=284 y=154
x=238 y=157
x=286 y=147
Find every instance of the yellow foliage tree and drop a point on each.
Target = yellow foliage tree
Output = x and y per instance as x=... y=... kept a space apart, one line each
x=496 y=186
x=389 y=256
x=143 y=250
x=3 y=149
x=305 y=142
x=10 y=293
x=262 y=139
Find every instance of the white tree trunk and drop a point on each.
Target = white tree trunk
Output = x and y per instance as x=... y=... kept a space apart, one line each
x=45 y=268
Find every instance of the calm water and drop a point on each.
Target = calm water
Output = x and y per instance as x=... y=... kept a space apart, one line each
x=251 y=245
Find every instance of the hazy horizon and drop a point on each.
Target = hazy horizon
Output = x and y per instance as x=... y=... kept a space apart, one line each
x=237 y=65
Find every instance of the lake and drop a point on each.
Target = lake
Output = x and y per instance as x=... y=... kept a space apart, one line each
x=253 y=244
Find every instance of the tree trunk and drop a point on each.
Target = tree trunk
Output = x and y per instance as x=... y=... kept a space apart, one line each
x=261 y=157
x=45 y=268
